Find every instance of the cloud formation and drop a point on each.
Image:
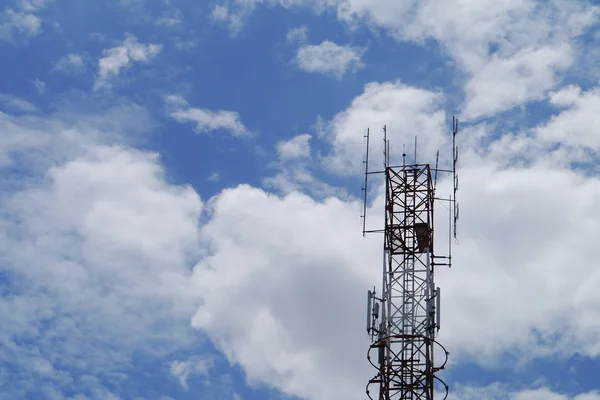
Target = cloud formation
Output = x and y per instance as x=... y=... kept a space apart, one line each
x=104 y=258
x=87 y=279
x=328 y=58
x=205 y=120
x=512 y=53
x=292 y=246
x=406 y=110
x=296 y=147
x=70 y=64
x=21 y=21
x=502 y=392
x=182 y=370
x=304 y=318
x=121 y=57
x=297 y=35
x=14 y=103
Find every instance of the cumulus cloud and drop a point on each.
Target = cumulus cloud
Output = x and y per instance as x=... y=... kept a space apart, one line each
x=205 y=120
x=505 y=82
x=122 y=57
x=281 y=289
x=292 y=246
x=220 y=13
x=526 y=41
x=287 y=245
x=296 y=171
x=303 y=320
x=529 y=42
x=233 y=20
x=407 y=111
x=20 y=22
x=86 y=279
x=296 y=147
x=568 y=139
x=498 y=391
x=578 y=125
x=328 y=58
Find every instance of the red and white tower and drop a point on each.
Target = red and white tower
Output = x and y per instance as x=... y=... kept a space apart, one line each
x=404 y=319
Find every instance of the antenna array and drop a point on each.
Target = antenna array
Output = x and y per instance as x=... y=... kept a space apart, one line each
x=404 y=320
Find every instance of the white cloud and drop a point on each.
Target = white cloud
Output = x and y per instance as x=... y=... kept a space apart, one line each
x=21 y=21
x=297 y=35
x=568 y=139
x=121 y=57
x=309 y=284
x=297 y=177
x=498 y=391
x=32 y=5
x=91 y=277
x=86 y=232
x=295 y=171
x=529 y=41
x=205 y=120
x=578 y=125
x=221 y=14
x=524 y=40
x=182 y=370
x=24 y=23
x=328 y=58
x=297 y=147
x=407 y=111
x=291 y=247
x=233 y=13
x=505 y=82
x=14 y=103
x=70 y=63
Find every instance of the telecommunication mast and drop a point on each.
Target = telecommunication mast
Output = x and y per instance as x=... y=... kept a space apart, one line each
x=403 y=321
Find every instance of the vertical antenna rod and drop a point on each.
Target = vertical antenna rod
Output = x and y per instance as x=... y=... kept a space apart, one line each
x=365 y=188
x=385 y=147
x=455 y=175
x=437 y=164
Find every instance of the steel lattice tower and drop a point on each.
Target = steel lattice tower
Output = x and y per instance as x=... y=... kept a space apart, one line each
x=404 y=320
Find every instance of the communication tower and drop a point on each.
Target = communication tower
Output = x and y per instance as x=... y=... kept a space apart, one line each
x=404 y=319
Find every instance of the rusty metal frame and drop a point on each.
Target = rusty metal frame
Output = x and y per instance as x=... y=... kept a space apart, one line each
x=405 y=344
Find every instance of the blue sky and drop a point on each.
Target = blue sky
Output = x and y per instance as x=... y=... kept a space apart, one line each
x=180 y=198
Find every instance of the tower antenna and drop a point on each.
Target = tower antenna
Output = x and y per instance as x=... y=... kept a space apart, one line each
x=437 y=164
x=385 y=148
x=454 y=173
x=365 y=187
x=403 y=321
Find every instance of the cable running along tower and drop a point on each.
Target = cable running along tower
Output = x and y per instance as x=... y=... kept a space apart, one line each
x=404 y=319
